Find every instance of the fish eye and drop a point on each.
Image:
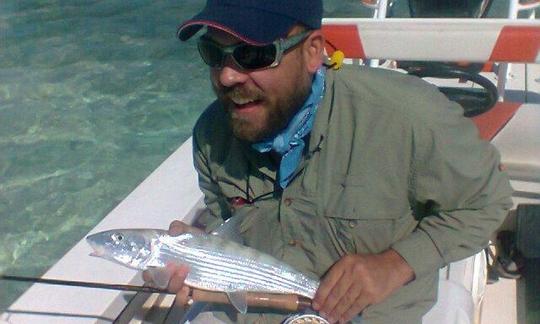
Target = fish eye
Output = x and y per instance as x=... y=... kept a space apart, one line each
x=117 y=237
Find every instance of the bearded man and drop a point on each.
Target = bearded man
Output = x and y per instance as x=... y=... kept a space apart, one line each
x=368 y=179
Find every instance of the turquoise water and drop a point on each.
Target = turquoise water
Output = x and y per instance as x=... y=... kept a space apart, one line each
x=94 y=95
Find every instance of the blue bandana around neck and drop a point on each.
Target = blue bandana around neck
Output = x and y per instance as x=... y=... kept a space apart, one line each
x=289 y=143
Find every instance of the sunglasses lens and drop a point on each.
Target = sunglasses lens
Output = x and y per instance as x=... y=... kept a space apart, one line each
x=210 y=53
x=248 y=57
x=255 y=57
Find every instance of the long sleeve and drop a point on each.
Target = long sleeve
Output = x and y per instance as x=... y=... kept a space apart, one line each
x=462 y=196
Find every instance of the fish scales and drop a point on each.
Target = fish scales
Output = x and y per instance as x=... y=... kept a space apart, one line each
x=226 y=274
x=260 y=268
x=201 y=250
x=228 y=261
x=215 y=264
x=261 y=273
x=231 y=264
x=222 y=275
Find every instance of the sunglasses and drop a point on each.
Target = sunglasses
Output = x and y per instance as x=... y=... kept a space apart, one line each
x=246 y=56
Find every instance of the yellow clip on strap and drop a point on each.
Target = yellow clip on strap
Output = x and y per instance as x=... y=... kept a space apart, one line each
x=336 y=60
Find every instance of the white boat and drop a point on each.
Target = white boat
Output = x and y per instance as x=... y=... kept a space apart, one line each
x=171 y=191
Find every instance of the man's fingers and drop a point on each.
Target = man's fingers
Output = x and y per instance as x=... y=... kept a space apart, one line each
x=177 y=227
x=327 y=284
x=178 y=275
x=183 y=297
x=336 y=296
x=345 y=302
x=147 y=277
x=359 y=305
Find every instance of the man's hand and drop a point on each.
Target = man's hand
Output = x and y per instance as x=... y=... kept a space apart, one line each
x=359 y=280
x=177 y=227
x=173 y=275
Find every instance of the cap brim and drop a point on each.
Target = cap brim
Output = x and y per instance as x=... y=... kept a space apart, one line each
x=245 y=24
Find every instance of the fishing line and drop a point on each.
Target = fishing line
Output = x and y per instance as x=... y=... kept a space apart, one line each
x=85 y=284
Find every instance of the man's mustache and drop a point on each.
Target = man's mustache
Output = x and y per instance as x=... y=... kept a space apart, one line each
x=241 y=93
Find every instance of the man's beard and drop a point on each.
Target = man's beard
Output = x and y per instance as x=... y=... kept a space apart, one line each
x=276 y=114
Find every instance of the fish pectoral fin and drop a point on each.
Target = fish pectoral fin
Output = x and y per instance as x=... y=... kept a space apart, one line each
x=238 y=300
x=160 y=276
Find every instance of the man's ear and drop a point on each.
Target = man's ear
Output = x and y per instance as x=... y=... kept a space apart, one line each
x=314 y=50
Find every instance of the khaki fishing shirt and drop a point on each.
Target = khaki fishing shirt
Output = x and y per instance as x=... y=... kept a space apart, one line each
x=391 y=163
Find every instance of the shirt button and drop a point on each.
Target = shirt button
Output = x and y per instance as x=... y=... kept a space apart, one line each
x=287 y=201
x=352 y=224
x=296 y=243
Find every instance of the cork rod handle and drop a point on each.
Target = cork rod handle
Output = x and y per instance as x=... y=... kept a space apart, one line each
x=290 y=303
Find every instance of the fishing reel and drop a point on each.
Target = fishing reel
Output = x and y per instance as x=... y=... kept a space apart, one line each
x=305 y=319
x=310 y=317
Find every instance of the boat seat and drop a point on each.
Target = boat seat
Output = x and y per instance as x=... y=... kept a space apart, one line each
x=461 y=290
x=519 y=144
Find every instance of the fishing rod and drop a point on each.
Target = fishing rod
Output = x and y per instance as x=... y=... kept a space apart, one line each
x=276 y=301
x=85 y=284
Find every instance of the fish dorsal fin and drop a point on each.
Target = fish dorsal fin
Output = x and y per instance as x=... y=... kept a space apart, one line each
x=238 y=300
x=229 y=230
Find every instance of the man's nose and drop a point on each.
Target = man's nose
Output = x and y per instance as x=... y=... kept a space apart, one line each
x=231 y=74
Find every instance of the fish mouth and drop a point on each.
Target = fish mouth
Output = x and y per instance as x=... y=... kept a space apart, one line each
x=98 y=249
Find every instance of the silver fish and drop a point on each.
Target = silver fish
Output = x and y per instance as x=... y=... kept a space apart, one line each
x=215 y=264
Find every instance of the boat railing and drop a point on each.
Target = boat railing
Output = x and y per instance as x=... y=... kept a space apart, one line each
x=457 y=40
x=527 y=9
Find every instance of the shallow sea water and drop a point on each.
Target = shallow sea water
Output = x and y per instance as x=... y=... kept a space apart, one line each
x=94 y=95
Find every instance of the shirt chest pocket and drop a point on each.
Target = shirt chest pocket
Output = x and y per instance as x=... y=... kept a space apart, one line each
x=364 y=212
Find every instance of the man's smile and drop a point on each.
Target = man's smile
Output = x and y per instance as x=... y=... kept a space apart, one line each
x=250 y=105
x=245 y=103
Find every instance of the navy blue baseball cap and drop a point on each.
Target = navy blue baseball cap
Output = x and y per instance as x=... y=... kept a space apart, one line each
x=257 y=22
